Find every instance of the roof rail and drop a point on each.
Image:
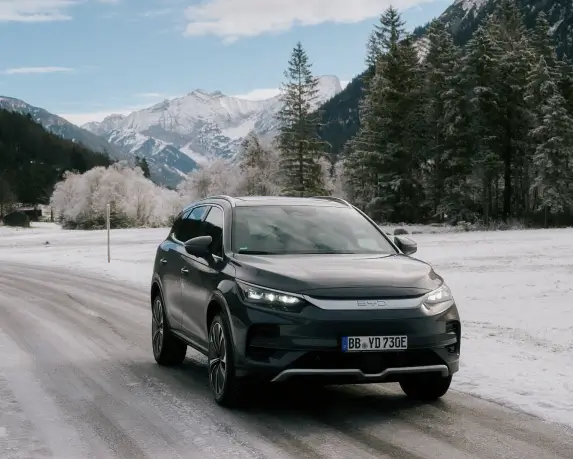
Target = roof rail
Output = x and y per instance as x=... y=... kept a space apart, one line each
x=334 y=198
x=220 y=196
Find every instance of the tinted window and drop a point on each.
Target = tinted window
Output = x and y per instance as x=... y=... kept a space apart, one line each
x=213 y=226
x=305 y=229
x=190 y=225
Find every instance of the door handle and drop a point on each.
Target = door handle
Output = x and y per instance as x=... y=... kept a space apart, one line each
x=163 y=261
x=184 y=270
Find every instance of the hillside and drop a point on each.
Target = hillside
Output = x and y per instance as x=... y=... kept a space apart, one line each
x=32 y=159
x=61 y=127
x=339 y=115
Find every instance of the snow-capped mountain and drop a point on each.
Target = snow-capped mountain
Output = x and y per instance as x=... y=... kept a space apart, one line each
x=61 y=127
x=197 y=127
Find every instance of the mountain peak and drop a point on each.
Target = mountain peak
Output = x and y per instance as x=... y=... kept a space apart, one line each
x=198 y=126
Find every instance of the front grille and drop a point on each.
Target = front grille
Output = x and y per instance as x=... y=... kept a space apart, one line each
x=367 y=362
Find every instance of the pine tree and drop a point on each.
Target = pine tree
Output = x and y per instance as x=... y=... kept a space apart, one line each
x=439 y=71
x=552 y=133
x=543 y=42
x=515 y=57
x=298 y=142
x=142 y=163
x=364 y=152
x=385 y=35
x=480 y=77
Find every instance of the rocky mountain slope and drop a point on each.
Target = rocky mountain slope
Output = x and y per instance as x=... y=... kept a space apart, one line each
x=340 y=121
x=178 y=134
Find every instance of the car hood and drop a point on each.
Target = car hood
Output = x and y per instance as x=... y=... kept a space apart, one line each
x=340 y=275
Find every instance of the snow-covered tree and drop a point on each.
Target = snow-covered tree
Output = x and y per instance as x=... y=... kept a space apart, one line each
x=552 y=133
x=298 y=142
x=259 y=167
x=362 y=155
x=214 y=178
x=439 y=69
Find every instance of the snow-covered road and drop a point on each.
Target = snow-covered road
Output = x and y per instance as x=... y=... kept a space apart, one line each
x=75 y=359
x=77 y=380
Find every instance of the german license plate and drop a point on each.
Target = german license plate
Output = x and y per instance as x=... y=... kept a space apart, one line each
x=374 y=343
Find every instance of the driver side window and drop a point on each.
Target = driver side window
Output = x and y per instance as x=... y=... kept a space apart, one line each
x=190 y=225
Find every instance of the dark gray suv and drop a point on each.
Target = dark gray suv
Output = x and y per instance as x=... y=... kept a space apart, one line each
x=274 y=289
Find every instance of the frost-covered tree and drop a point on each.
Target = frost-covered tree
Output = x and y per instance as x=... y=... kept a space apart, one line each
x=298 y=142
x=259 y=169
x=214 y=178
x=81 y=199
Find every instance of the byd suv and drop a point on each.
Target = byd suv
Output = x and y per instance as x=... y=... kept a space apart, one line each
x=275 y=289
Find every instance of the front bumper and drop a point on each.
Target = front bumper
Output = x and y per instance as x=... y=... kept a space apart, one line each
x=280 y=346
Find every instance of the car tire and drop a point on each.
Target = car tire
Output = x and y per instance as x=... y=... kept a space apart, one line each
x=168 y=350
x=223 y=382
x=426 y=387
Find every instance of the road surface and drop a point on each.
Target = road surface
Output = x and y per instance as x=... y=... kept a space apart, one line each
x=78 y=380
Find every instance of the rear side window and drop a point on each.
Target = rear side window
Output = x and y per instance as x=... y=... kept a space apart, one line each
x=213 y=226
x=190 y=225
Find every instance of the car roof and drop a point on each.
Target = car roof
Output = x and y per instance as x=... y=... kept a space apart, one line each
x=250 y=201
x=243 y=201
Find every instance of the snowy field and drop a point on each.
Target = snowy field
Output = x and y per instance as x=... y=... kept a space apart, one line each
x=514 y=290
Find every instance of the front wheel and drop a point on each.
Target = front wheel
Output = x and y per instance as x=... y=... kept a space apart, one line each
x=224 y=384
x=426 y=387
x=168 y=350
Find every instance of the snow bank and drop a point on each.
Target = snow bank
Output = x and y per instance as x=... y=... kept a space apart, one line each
x=513 y=289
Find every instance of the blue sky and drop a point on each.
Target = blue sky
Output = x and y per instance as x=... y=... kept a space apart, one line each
x=85 y=59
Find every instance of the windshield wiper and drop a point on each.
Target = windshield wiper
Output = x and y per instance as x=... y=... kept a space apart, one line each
x=255 y=252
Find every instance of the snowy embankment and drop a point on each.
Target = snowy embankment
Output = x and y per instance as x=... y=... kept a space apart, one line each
x=514 y=290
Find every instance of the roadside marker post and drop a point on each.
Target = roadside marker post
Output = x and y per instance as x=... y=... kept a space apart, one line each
x=108 y=218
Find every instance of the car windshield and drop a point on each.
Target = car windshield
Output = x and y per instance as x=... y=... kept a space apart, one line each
x=281 y=230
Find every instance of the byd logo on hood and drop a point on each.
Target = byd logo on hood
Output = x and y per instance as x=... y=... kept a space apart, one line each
x=371 y=303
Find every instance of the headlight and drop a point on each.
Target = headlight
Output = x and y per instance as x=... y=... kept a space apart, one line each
x=270 y=298
x=437 y=297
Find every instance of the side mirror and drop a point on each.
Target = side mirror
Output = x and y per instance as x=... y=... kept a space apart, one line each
x=406 y=245
x=199 y=246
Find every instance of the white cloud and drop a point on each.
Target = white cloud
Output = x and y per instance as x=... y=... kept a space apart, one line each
x=261 y=94
x=35 y=10
x=234 y=19
x=35 y=70
x=151 y=95
x=39 y=10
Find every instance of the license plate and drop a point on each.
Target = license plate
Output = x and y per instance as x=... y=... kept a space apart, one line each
x=374 y=343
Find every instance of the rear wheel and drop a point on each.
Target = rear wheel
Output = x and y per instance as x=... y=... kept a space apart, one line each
x=426 y=386
x=168 y=350
x=224 y=384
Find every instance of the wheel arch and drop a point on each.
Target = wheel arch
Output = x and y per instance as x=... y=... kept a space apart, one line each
x=155 y=289
x=218 y=304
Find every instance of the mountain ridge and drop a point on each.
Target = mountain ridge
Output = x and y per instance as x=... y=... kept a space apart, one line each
x=188 y=131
